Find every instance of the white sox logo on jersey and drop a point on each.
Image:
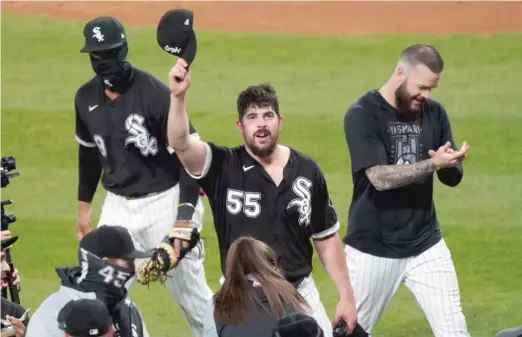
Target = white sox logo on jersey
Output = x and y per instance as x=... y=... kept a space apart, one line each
x=140 y=135
x=301 y=188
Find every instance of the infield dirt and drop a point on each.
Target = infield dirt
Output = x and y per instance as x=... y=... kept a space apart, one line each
x=321 y=17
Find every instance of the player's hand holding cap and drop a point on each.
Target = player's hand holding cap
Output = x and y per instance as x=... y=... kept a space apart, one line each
x=175 y=34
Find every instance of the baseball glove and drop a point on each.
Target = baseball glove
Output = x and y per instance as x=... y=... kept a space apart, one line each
x=165 y=257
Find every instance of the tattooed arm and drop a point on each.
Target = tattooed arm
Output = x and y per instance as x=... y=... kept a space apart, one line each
x=387 y=177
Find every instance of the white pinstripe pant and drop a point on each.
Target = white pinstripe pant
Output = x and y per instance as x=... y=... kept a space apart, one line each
x=430 y=276
x=149 y=220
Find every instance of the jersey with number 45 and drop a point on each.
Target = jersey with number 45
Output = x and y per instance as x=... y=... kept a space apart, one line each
x=130 y=133
x=246 y=201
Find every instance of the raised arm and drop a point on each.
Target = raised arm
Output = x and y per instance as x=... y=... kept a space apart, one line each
x=191 y=151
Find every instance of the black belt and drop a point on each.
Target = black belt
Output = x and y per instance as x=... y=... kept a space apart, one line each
x=139 y=196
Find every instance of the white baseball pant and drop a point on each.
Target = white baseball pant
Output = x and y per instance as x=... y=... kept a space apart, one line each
x=430 y=276
x=149 y=220
x=306 y=288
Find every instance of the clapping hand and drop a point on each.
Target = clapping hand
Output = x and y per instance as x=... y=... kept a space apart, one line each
x=446 y=157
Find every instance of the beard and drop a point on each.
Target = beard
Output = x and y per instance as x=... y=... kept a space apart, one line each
x=266 y=149
x=404 y=100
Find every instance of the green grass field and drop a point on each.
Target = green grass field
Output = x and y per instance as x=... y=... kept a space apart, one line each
x=317 y=78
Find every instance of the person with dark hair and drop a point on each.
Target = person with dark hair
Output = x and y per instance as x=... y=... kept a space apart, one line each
x=398 y=137
x=106 y=263
x=266 y=190
x=120 y=126
x=254 y=294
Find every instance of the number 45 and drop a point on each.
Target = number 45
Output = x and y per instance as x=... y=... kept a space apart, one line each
x=117 y=277
x=247 y=202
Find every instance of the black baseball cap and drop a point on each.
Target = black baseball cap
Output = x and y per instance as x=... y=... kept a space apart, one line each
x=103 y=33
x=85 y=318
x=297 y=324
x=111 y=242
x=8 y=241
x=175 y=34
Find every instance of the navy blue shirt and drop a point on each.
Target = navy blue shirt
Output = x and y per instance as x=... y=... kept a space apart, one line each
x=399 y=222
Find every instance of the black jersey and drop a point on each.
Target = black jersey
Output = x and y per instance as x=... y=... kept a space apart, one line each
x=245 y=201
x=131 y=135
x=400 y=222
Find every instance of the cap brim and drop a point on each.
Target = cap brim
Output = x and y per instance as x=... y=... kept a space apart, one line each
x=90 y=49
x=191 y=49
x=7 y=242
x=137 y=255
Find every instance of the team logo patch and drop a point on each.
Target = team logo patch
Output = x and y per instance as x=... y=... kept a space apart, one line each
x=301 y=188
x=140 y=136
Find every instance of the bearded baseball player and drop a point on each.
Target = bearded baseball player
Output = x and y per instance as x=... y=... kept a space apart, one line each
x=262 y=189
x=398 y=137
x=121 y=124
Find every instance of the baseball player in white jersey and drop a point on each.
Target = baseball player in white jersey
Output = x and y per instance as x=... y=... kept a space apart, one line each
x=121 y=123
x=397 y=138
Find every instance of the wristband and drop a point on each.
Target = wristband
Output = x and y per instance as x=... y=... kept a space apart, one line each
x=185 y=211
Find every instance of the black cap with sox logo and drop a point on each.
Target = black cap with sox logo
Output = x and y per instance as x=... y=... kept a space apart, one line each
x=103 y=33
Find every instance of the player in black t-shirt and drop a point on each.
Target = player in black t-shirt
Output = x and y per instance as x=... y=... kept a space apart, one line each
x=121 y=124
x=397 y=138
x=266 y=190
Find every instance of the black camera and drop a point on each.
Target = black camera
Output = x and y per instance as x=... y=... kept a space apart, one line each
x=8 y=164
x=341 y=330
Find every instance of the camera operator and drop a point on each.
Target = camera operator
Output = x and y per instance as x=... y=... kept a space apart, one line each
x=10 y=279
x=13 y=276
x=14 y=316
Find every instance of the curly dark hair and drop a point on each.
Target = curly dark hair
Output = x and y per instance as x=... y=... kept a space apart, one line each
x=261 y=95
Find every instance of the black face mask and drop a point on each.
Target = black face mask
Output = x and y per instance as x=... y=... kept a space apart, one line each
x=113 y=69
x=105 y=279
